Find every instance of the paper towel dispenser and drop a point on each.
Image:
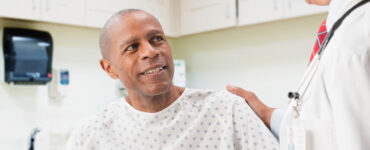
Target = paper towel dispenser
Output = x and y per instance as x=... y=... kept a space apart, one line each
x=27 y=56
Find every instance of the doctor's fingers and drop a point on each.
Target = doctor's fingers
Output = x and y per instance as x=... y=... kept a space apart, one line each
x=264 y=112
x=249 y=97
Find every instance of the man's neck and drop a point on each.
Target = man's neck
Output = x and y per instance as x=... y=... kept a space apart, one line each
x=154 y=103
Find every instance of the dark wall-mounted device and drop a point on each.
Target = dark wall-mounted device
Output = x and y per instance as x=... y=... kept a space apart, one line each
x=27 y=56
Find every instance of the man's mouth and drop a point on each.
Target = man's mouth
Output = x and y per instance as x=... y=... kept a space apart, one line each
x=154 y=70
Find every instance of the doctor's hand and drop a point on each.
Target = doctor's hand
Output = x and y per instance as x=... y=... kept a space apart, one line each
x=264 y=112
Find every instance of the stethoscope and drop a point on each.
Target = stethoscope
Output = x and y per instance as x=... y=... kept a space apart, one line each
x=303 y=86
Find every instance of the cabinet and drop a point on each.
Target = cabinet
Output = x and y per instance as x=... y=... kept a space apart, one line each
x=63 y=11
x=22 y=9
x=178 y=17
x=296 y=8
x=99 y=11
x=257 y=11
x=163 y=10
x=205 y=15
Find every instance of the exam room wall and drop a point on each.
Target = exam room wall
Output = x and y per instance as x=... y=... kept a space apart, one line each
x=23 y=108
x=269 y=59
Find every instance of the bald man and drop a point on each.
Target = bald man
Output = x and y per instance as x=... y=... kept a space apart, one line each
x=158 y=114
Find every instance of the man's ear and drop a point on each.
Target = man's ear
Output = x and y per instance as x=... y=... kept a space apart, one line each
x=106 y=65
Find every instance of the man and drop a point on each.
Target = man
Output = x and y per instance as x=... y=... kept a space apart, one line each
x=157 y=114
x=333 y=103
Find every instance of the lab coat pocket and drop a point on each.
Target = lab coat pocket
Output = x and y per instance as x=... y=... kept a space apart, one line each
x=319 y=134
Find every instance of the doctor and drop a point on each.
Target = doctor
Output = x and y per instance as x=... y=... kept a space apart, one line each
x=330 y=110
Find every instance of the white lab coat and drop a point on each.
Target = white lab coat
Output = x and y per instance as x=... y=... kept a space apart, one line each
x=336 y=105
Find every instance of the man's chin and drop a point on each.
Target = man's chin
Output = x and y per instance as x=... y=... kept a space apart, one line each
x=158 y=89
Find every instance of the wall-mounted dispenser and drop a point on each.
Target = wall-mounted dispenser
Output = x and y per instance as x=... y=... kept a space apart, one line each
x=58 y=87
x=27 y=56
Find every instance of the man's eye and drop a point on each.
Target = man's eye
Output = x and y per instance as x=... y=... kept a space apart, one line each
x=158 y=38
x=132 y=47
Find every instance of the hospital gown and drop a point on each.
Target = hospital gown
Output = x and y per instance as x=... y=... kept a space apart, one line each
x=198 y=119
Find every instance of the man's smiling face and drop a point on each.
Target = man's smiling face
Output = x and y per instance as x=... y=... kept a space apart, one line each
x=139 y=54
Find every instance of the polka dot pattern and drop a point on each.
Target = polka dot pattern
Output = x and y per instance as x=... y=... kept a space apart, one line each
x=198 y=119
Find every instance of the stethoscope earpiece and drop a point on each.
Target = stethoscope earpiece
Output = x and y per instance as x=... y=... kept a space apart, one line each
x=294 y=95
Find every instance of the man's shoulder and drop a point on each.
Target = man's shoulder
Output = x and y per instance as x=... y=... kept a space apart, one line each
x=208 y=95
x=92 y=125
x=101 y=118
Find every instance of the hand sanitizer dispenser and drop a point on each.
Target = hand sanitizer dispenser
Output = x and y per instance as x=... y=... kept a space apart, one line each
x=58 y=87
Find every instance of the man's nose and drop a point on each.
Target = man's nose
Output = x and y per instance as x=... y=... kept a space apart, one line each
x=148 y=51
